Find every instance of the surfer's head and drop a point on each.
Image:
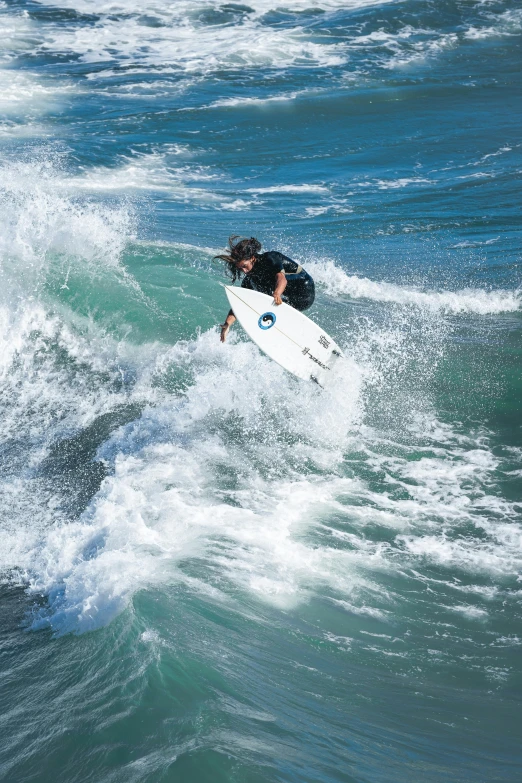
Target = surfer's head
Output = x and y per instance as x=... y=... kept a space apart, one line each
x=242 y=256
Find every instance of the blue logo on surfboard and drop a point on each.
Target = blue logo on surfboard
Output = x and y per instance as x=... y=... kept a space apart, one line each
x=266 y=321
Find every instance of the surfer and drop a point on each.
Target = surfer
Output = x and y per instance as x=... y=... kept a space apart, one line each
x=270 y=273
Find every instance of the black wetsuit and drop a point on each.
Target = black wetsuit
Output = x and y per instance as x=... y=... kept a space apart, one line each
x=300 y=289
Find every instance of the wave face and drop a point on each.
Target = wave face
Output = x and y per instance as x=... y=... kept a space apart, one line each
x=210 y=570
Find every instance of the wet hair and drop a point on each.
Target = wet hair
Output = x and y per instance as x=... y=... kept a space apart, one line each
x=240 y=249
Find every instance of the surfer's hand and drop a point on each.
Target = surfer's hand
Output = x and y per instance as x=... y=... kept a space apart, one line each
x=225 y=328
x=277 y=299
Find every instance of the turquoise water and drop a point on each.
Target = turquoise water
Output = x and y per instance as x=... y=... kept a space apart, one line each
x=211 y=571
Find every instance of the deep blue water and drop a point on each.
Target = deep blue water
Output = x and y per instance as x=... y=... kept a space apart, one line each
x=211 y=571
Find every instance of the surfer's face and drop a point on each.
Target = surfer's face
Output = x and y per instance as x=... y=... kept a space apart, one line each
x=246 y=265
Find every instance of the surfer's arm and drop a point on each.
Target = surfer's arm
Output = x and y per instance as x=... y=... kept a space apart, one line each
x=229 y=320
x=280 y=287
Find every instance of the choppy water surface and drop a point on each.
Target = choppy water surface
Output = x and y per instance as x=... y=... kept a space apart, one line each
x=212 y=571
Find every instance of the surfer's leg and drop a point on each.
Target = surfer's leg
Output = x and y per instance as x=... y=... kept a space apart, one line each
x=300 y=293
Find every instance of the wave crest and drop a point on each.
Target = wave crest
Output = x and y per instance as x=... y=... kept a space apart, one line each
x=338 y=283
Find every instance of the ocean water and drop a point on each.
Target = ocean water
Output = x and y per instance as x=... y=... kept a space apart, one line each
x=210 y=570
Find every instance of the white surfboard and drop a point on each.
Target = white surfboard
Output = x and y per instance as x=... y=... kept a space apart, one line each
x=286 y=335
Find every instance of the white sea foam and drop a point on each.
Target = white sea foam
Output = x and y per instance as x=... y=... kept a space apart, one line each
x=169 y=170
x=237 y=205
x=405 y=46
x=38 y=219
x=19 y=129
x=229 y=472
x=339 y=207
x=156 y=171
x=394 y=184
x=336 y=282
x=501 y=151
x=129 y=40
x=477 y=175
x=25 y=95
x=165 y=501
x=18 y=33
x=486 y=558
x=423 y=50
x=189 y=8
x=476 y=243
x=162 y=505
x=507 y=641
x=505 y=24
x=58 y=377
x=123 y=35
x=254 y=101
x=469 y=611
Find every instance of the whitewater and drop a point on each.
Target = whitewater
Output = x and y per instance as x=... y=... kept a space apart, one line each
x=211 y=570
